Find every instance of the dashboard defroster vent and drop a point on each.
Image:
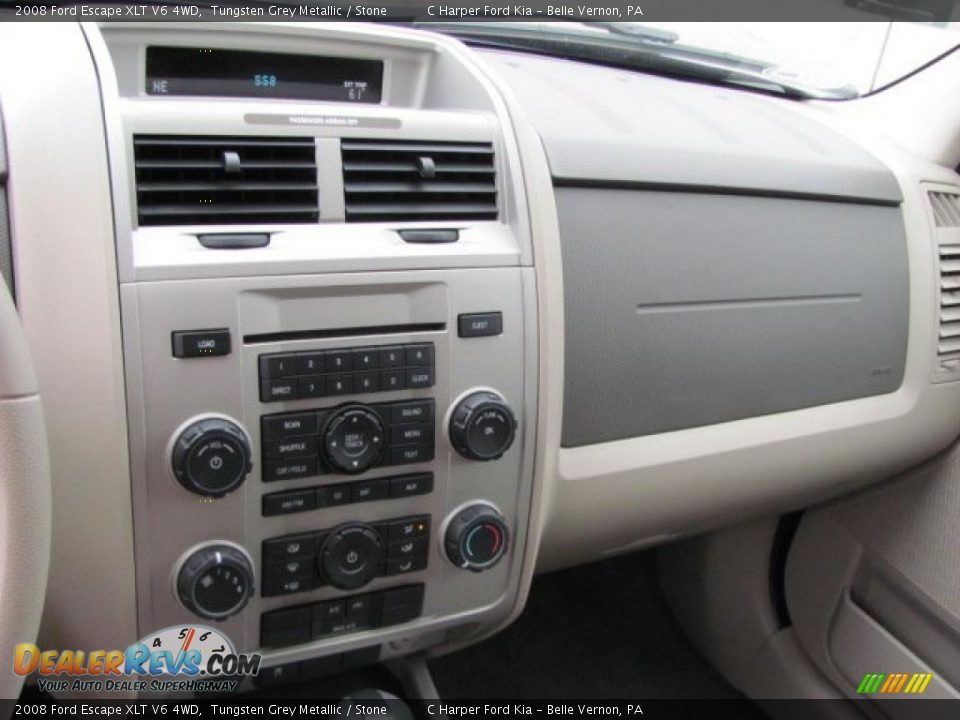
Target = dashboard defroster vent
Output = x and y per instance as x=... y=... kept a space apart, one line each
x=225 y=180
x=416 y=181
x=946 y=214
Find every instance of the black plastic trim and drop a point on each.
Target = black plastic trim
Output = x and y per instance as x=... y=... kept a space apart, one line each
x=258 y=338
x=613 y=184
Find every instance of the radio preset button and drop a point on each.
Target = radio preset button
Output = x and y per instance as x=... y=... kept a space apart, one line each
x=367 y=382
x=313 y=386
x=391 y=357
x=392 y=380
x=338 y=360
x=340 y=384
x=305 y=375
x=366 y=359
x=419 y=355
x=309 y=363
x=278 y=366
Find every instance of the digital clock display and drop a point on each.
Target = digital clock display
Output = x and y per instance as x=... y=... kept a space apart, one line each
x=241 y=73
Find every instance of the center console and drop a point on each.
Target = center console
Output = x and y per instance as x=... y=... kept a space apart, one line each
x=330 y=337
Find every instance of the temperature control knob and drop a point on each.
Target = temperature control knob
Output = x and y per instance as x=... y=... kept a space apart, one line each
x=216 y=581
x=211 y=457
x=482 y=426
x=351 y=556
x=353 y=439
x=476 y=538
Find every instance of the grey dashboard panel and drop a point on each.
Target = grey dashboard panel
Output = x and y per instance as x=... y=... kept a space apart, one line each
x=688 y=309
x=601 y=124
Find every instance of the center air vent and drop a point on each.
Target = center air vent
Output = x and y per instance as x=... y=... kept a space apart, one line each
x=225 y=180
x=397 y=181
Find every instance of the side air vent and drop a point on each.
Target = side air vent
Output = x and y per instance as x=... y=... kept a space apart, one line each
x=225 y=180
x=398 y=181
x=945 y=206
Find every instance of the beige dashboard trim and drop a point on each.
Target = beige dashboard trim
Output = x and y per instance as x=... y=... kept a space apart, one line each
x=59 y=194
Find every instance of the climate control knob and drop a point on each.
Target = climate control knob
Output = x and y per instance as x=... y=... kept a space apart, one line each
x=482 y=426
x=351 y=556
x=211 y=457
x=353 y=439
x=476 y=538
x=216 y=581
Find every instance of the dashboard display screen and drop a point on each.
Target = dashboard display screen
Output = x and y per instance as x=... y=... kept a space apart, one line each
x=241 y=73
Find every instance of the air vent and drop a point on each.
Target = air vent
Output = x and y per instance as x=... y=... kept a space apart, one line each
x=225 y=180
x=946 y=208
x=397 y=181
x=946 y=213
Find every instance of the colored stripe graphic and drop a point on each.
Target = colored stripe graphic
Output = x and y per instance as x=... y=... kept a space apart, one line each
x=894 y=683
x=870 y=683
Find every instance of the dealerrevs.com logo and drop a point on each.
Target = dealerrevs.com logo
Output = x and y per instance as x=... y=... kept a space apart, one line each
x=193 y=658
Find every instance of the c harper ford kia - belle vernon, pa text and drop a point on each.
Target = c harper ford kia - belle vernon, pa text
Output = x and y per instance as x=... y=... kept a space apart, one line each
x=439 y=361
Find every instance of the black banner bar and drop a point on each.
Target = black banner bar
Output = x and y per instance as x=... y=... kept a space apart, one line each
x=935 y=11
x=234 y=707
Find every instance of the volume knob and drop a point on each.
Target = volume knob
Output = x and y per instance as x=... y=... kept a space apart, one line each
x=211 y=457
x=482 y=426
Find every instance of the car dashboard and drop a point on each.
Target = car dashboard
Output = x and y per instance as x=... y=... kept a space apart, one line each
x=338 y=363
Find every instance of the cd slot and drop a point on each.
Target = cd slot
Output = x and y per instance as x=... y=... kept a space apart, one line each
x=275 y=337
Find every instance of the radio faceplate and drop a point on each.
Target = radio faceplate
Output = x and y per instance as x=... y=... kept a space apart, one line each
x=417 y=474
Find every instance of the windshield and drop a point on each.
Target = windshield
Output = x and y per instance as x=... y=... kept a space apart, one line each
x=836 y=60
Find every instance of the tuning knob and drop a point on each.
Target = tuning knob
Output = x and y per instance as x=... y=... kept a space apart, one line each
x=476 y=538
x=482 y=426
x=211 y=457
x=216 y=581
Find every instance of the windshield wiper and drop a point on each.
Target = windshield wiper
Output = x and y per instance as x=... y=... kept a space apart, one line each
x=641 y=32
